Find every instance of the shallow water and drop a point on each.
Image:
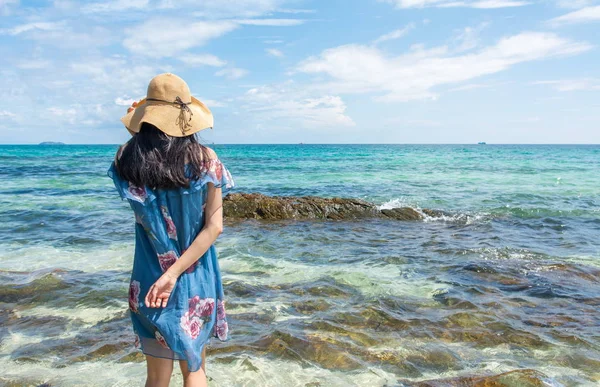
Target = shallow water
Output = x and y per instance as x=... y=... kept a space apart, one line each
x=508 y=279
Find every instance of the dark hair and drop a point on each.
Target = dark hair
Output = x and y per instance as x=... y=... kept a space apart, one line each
x=157 y=160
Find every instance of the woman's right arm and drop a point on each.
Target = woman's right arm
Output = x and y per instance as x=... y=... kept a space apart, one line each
x=213 y=227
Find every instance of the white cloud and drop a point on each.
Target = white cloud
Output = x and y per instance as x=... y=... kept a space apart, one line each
x=125 y=101
x=77 y=114
x=296 y=11
x=202 y=60
x=274 y=52
x=6 y=114
x=5 y=6
x=491 y=4
x=62 y=35
x=468 y=38
x=271 y=22
x=173 y=39
x=471 y=86
x=40 y=26
x=574 y=4
x=232 y=73
x=484 y=4
x=396 y=34
x=67 y=115
x=225 y=8
x=211 y=103
x=114 y=74
x=115 y=6
x=4 y=3
x=588 y=14
x=292 y=104
x=33 y=64
x=573 y=84
x=413 y=75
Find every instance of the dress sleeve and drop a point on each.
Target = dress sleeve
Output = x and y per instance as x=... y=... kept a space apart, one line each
x=219 y=175
x=128 y=191
x=112 y=173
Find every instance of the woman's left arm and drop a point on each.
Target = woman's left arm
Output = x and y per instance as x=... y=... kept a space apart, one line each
x=159 y=292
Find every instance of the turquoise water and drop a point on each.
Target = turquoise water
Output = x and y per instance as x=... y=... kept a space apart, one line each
x=507 y=279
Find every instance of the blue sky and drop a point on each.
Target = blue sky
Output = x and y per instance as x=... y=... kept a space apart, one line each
x=329 y=71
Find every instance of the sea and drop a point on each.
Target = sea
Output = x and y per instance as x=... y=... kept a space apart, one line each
x=505 y=280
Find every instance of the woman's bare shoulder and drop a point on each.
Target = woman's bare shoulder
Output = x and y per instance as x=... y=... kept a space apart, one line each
x=212 y=155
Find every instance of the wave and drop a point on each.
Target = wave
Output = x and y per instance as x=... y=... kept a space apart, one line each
x=486 y=215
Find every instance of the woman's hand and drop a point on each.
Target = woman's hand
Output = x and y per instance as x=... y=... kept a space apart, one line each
x=132 y=107
x=160 y=291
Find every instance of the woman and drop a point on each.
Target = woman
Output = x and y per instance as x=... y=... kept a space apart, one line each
x=174 y=186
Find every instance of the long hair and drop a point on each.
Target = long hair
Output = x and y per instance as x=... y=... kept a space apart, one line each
x=153 y=158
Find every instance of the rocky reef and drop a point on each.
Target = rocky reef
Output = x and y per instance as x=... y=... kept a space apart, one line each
x=258 y=206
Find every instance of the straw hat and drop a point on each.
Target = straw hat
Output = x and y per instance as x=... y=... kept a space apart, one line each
x=170 y=107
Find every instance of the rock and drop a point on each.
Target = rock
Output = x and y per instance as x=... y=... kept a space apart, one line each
x=403 y=213
x=310 y=306
x=258 y=206
x=438 y=360
x=521 y=378
x=134 y=356
x=35 y=290
x=22 y=382
x=246 y=363
x=307 y=350
x=338 y=330
x=324 y=287
x=470 y=320
x=434 y=213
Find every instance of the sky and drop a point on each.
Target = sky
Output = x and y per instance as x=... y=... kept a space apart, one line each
x=312 y=71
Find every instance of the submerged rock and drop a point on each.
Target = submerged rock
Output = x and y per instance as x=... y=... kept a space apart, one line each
x=521 y=378
x=307 y=350
x=258 y=206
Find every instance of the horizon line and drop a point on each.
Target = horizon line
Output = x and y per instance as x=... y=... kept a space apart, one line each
x=311 y=143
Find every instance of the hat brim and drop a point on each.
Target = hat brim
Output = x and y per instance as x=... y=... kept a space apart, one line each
x=165 y=117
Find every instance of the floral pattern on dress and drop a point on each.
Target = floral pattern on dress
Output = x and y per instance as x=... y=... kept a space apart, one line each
x=185 y=331
x=167 y=259
x=201 y=306
x=221 y=327
x=138 y=193
x=191 y=324
x=221 y=315
x=171 y=230
x=215 y=169
x=228 y=179
x=192 y=267
x=199 y=312
x=134 y=296
x=161 y=340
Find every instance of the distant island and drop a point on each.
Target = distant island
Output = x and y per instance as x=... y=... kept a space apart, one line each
x=51 y=143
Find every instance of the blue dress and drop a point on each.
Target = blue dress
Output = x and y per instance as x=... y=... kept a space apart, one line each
x=166 y=222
